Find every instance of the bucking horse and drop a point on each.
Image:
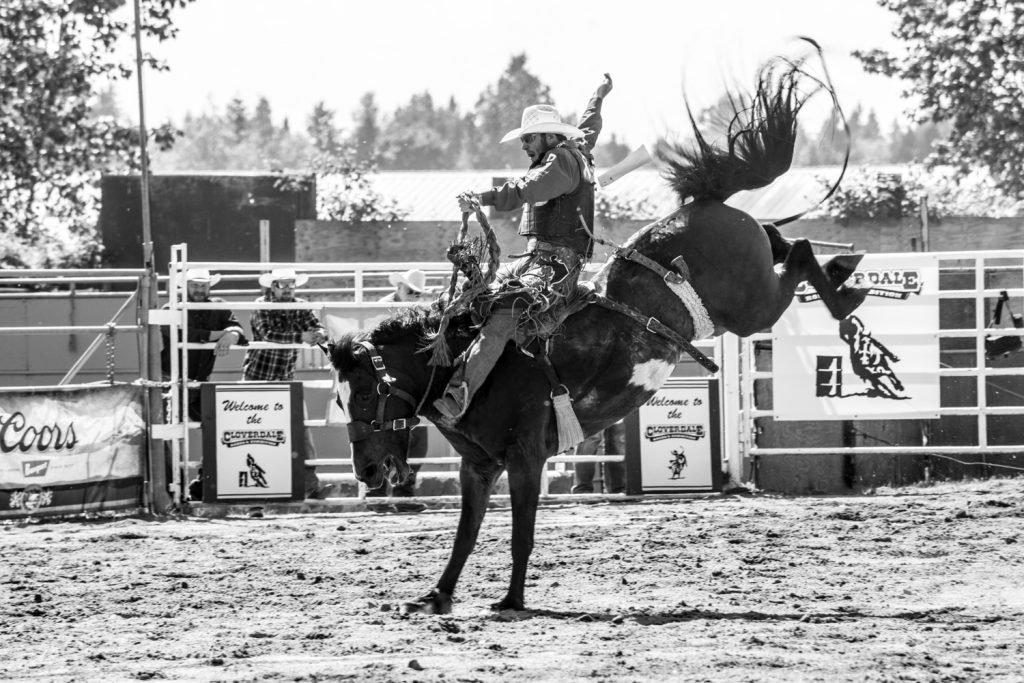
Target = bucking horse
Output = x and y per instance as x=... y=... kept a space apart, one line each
x=703 y=270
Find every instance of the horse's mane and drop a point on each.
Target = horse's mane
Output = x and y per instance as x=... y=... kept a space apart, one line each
x=759 y=139
x=412 y=326
x=415 y=322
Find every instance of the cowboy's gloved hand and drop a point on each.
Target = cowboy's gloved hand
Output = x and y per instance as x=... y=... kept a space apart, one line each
x=605 y=87
x=455 y=253
x=468 y=202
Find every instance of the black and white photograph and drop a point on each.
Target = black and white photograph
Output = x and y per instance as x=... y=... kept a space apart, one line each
x=534 y=341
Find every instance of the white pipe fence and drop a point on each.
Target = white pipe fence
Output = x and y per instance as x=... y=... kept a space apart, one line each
x=361 y=275
x=982 y=267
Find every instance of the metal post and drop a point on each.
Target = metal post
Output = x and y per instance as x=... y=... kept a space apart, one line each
x=264 y=241
x=178 y=334
x=158 y=498
x=924 y=223
x=729 y=359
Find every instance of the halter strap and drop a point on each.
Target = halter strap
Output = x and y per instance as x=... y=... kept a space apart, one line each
x=360 y=429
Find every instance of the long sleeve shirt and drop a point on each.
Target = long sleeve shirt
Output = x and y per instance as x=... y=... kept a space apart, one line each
x=200 y=324
x=280 y=327
x=556 y=174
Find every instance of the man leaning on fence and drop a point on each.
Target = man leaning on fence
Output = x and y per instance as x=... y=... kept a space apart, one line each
x=219 y=325
x=284 y=326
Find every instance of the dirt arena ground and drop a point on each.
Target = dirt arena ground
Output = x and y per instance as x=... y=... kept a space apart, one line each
x=919 y=584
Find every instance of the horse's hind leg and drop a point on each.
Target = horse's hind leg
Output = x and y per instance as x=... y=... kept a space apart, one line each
x=524 y=489
x=840 y=267
x=779 y=244
x=476 y=481
x=801 y=265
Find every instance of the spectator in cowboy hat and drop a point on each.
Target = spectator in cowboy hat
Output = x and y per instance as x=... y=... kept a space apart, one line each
x=220 y=326
x=284 y=326
x=557 y=194
x=203 y=326
x=409 y=286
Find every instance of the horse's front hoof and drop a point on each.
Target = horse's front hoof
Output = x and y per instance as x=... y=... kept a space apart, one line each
x=508 y=603
x=434 y=602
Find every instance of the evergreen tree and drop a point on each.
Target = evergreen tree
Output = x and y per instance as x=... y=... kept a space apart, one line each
x=262 y=125
x=320 y=127
x=901 y=145
x=367 y=130
x=499 y=109
x=238 y=118
x=828 y=146
x=421 y=136
x=869 y=146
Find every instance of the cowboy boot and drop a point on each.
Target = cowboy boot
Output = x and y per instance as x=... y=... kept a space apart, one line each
x=455 y=399
x=480 y=358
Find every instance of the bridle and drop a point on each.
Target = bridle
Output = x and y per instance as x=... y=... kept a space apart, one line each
x=359 y=429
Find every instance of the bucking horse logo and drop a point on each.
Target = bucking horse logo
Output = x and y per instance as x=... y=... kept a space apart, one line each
x=678 y=463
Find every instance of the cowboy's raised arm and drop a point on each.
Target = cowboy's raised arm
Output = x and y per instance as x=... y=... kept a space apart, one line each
x=591 y=122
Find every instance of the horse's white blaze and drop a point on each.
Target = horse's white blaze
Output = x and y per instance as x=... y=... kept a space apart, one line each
x=651 y=374
x=344 y=390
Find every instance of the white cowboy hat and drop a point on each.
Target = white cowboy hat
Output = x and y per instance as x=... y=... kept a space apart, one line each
x=414 y=279
x=542 y=118
x=268 y=279
x=201 y=275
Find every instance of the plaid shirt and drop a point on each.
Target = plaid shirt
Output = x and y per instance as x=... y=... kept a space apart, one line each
x=281 y=327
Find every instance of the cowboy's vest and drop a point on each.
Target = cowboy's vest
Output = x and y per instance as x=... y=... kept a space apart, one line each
x=556 y=220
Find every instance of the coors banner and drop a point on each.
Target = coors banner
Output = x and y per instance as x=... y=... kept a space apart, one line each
x=70 y=450
x=882 y=361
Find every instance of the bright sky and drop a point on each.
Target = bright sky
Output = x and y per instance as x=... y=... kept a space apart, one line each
x=297 y=52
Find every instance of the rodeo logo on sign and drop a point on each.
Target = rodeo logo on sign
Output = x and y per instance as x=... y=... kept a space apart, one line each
x=254 y=441
x=894 y=283
x=881 y=361
x=660 y=432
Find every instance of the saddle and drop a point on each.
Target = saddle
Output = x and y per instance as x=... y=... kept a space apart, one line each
x=544 y=324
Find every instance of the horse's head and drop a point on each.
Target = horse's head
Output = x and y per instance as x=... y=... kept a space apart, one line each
x=377 y=391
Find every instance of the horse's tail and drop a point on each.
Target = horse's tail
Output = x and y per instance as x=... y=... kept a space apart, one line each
x=759 y=138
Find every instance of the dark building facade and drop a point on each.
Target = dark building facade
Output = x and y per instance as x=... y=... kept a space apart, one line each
x=217 y=214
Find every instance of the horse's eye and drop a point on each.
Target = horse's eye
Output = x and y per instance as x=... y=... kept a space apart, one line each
x=363 y=396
